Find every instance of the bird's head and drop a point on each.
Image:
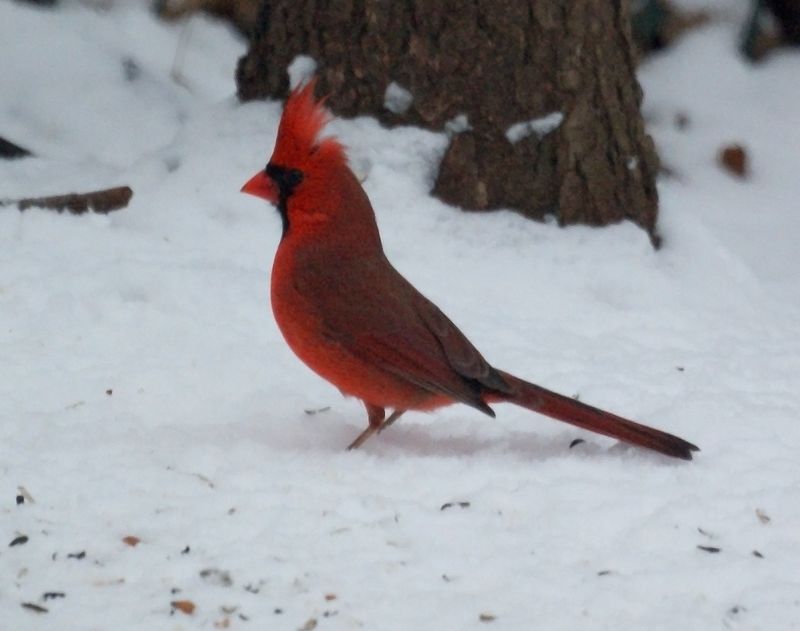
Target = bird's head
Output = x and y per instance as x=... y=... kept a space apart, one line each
x=300 y=160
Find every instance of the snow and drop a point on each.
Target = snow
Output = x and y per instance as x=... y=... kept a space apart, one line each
x=145 y=390
x=457 y=125
x=539 y=126
x=301 y=70
x=397 y=99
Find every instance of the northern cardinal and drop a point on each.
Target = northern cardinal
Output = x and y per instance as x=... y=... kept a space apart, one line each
x=354 y=320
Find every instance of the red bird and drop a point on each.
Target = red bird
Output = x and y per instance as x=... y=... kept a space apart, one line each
x=354 y=320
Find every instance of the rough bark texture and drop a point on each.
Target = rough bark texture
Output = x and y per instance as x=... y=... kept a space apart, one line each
x=499 y=63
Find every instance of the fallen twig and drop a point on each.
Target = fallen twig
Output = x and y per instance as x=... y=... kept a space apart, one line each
x=102 y=202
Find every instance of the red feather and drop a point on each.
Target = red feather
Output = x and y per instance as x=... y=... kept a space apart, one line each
x=303 y=120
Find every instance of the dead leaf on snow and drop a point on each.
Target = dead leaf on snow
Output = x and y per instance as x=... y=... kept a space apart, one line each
x=733 y=158
x=185 y=606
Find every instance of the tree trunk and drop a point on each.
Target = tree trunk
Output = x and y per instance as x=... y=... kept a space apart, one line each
x=539 y=97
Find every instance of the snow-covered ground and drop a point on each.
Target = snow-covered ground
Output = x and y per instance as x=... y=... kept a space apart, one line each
x=146 y=392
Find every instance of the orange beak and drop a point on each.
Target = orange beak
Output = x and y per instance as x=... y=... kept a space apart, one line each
x=261 y=185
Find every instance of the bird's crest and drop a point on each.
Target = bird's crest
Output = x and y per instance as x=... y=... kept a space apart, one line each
x=301 y=124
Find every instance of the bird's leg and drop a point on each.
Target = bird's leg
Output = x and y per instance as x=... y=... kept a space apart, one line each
x=392 y=418
x=375 y=415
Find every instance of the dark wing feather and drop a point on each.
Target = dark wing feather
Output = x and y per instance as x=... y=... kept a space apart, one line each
x=413 y=362
x=462 y=356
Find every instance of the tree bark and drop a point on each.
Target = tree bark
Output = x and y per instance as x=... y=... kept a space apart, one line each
x=546 y=88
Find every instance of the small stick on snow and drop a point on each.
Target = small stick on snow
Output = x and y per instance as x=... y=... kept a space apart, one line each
x=102 y=202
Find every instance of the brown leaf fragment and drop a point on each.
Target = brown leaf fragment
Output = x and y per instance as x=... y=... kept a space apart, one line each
x=222 y=623
x=131 y=540
x=184 y=606
x=733 y=158
x=710 y=549
x=330 y=597
x=762 y=516
x=109 y=391
x=310 y=624
x=35 y=607
x=487 y=617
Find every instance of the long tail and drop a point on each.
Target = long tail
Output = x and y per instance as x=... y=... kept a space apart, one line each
x=571 y=411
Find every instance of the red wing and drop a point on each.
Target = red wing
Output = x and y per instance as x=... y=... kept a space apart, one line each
x=384 y=320
x=462 y=356
x=419 y=362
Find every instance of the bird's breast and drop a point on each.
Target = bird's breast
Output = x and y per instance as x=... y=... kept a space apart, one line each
x=303 y=302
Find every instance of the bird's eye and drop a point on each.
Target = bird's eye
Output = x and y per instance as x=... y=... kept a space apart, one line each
x=293 y=177
x=286 y=179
